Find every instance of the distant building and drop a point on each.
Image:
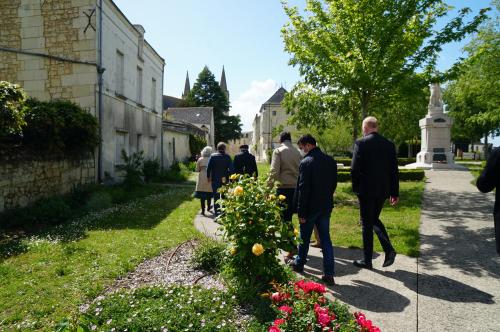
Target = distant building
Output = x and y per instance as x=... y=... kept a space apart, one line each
x=201 y=117
x=176 y=137
x=233 y=146
x=271 y=115
x=61 y=49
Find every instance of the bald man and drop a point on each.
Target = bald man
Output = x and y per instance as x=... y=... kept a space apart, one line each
x=374 y=172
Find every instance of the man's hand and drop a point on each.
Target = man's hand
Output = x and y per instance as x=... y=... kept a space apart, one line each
x=394 y=200
x=302 y=220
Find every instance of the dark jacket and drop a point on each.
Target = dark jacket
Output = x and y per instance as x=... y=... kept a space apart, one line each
x=489 y=180
x=244 y=163
x=219 y=167
x=374 y=167
x=316 y=184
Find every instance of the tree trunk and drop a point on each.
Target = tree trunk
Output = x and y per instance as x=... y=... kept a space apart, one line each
x=365 y=97
x=486 y=146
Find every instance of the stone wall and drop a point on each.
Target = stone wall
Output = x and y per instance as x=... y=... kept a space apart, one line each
x=25 y=181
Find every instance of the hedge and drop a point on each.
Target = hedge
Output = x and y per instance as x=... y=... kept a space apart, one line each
x=404 y=175
x=401 y=161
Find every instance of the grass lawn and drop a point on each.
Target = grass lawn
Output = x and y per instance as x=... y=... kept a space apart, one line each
x=402 y=222
x=60 y=269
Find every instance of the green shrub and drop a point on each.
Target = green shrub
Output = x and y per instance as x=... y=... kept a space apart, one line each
x=343 y=161
x=404 y=175
x=406 y=161
x=209 y=255
x=133 y=168
x=401 y=161
x=178 y=172
x=191 y=166
x=98 y=201
x=343 y=176
x=12 y=109
x=253 y=225
x=60 y=127
x=150 y=169
x=196 y=144
x=50 y=211
x=174 y=308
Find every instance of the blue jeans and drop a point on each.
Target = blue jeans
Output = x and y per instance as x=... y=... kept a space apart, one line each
x=322 y=221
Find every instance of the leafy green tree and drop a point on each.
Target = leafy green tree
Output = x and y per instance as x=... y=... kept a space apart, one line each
x=473 y=99
x=352 y=54
x=207 y=92
x=12 y=109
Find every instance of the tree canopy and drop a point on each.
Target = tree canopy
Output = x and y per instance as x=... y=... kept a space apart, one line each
x=473 y=98
x=207 y=92
x=353 y=55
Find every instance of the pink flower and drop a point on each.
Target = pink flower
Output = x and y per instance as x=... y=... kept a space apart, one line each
x=309 y=286
x=286 y=309
x=274 y=329
x=324 y=319
x=278 y=322
x=276 y=297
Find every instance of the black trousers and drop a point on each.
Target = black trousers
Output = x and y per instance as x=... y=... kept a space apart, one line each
x=288 y=193
x=370 y=208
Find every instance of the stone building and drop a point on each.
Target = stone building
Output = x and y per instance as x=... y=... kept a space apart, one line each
x=176 y=135
x=233 y=146
x=201 y=117
x=271 y=116
x=87 y=51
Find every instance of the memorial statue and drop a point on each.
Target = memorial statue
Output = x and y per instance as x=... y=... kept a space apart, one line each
x=435 y=100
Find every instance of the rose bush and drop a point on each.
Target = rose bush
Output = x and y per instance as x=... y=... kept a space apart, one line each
x=252 y=224
x=302 y=306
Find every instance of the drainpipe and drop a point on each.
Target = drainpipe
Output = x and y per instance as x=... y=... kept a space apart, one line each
x=100 y=71
x=161 y=120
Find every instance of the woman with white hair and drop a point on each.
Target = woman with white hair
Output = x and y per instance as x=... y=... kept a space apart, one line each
x=203 y=187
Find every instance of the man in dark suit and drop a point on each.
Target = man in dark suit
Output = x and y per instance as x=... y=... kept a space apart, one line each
x=244 y=162
x=374 y=172
x=314 y=201
x=489 y=180
x=219 y=168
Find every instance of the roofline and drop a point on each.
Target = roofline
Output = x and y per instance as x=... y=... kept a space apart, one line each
x=134 y=28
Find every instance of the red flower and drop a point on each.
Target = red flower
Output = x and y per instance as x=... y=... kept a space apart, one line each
x=324 y=319
x=286 y=309
x=276 y=297
x=278 y=322
x=309 y=286
x=274 y=329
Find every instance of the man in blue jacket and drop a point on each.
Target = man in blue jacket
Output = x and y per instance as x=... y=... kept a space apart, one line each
x=314 y=201
x=218 y=170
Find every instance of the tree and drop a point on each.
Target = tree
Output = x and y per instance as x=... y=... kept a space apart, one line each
x=473 y=99
x=12 y=109
x=207 y=92
x=352 y=54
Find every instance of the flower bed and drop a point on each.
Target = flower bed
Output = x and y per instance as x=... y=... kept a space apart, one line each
x=302 y=306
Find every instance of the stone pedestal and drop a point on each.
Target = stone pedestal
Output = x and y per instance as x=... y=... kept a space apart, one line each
x=435 y=149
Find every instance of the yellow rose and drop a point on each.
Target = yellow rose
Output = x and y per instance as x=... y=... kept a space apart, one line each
x=233 y=177
x=272 y=196
x=282 y=197
x=238 y=190
x=296 y=232
x=257 y=249
x=233 y=251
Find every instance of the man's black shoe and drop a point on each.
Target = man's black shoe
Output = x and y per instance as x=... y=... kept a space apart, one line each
x=328 y=280
x=295 y=267
x=389 y=258
x=363 y=264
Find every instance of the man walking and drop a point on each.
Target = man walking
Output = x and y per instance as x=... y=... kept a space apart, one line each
x=244 y=162
x=489 y=180
x=314 y=198
x=218 y=170
x=374 y=172
x=285 y=171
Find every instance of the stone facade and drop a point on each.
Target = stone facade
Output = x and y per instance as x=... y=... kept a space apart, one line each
x=233 y=146
x=23 y=182
x=51 y=49
x=271 y=115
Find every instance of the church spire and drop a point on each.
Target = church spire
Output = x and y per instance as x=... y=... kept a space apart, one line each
x=223 y=84
x=187 y=87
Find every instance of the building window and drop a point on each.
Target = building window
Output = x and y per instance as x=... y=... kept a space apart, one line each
x=139 y=85
x=153 y=94
x=138 y=144
x=152 y=148
x=121 y=144
x=274 y=113
x=120 y=67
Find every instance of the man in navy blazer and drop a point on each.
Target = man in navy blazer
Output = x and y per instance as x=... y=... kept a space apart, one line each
x=218 y=171
x=244 y=162
x=374 y=172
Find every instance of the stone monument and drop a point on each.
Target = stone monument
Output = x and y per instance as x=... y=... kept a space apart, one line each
x=435 y=149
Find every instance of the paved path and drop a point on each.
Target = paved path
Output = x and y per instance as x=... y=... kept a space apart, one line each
x=454 y=285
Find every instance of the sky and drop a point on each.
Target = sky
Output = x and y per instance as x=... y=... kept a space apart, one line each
x=241 y=35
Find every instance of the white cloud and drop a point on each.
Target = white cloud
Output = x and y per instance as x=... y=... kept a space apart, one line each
x=248 y=104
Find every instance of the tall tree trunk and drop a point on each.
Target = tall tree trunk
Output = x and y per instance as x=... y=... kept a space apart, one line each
x=365 y=98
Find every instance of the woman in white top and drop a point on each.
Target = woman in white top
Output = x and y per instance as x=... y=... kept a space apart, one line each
x=203 y=187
